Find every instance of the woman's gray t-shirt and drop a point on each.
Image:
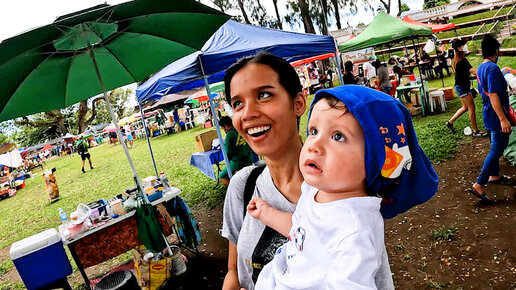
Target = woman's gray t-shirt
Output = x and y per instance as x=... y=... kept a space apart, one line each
x=257 y=243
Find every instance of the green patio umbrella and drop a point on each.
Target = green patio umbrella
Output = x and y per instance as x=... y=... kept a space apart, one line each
x=90 y=51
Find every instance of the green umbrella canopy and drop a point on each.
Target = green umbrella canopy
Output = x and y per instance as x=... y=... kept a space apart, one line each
x=217 y=87
x=384 y=29
x=49 y=67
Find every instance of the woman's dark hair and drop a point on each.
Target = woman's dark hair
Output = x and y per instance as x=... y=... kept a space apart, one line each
x=348 y=66
x=489 y=46
x=225 y=121
x=459 y=54
x=288 y=77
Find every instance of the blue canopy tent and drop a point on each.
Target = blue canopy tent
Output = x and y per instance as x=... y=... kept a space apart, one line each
x=229 y=43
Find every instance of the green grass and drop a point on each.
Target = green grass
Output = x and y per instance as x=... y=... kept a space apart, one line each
x=11 y=286
x=29 y=212
x=509 y=42
x=463 y=31
x=444 y=233
x=6 y=266
x=478 y=16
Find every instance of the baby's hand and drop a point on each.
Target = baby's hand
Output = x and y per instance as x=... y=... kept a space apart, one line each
x=257 y=207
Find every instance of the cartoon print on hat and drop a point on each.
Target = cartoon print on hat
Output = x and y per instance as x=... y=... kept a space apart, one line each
x=397 y=152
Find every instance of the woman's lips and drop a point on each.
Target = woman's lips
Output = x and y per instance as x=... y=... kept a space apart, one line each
x=258 y=133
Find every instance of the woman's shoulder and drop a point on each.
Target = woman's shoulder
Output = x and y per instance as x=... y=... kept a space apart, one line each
x=239 y=180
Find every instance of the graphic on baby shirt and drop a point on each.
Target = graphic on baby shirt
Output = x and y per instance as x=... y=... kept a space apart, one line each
x=297 y=237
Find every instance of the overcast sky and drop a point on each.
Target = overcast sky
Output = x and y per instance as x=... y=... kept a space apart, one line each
x=21 y=15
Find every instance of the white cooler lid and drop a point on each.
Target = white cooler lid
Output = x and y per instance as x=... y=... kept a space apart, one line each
x=34 y=243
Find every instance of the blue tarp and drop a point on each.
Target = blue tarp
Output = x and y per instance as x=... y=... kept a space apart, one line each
x=231 y=42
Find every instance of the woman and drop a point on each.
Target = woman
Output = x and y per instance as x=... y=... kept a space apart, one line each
x=265 y=94
x=463 y=69
x=349 y=78
x=493 y=89
x=399 y=72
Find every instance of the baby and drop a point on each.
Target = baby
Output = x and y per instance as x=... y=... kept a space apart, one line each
x=361 y=148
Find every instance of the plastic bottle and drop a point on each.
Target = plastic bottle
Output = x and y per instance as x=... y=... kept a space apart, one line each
x=164 y=180
x=62 y=216
x=109 y=210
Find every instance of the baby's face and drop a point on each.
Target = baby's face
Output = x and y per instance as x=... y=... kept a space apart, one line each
x=332 y=158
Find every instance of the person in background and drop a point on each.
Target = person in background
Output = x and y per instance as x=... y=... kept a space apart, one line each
x=82 y=149
x=442 y=64
x=463 y=70
x=399 y=72
x=383 y=77
x=349 y=78
x=493 y=89
x=239 y=153
x=329 y=73
x=369 y=71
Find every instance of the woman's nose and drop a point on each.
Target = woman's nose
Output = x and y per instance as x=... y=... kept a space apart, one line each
x=250 y=111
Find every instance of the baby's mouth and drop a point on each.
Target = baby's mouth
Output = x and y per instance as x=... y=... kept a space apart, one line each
x=258 y=131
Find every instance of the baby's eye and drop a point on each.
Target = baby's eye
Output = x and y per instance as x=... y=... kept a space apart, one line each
x=263 y=95
x=236 y=104
x=338 y=136
x=312 y=131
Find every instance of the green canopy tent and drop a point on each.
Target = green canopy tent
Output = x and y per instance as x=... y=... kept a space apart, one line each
x=383 y=30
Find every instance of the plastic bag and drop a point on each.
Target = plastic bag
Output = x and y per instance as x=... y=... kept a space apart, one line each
x=152 y=274
x=429 y=46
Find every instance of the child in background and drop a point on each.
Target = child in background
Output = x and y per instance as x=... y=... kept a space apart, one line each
x=361 y=147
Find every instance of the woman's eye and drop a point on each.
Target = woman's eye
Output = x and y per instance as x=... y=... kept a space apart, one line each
x=337 y=136
x=312 y=131
x=263 y=95
x=236 y=104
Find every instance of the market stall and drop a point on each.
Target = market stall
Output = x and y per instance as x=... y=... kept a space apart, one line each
x=386 y=30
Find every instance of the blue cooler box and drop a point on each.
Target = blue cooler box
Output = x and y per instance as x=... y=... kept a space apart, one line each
x=40 y=259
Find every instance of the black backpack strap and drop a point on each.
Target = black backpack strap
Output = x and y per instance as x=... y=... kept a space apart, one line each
x=251 y=184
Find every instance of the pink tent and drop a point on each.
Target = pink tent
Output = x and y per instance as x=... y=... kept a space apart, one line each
x=435 y=27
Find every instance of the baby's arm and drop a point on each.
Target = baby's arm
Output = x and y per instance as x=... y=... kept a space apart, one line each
x=278 y=220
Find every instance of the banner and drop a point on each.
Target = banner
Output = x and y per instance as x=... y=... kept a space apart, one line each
x=358 y=56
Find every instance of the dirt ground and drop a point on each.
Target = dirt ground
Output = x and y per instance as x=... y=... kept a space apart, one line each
x=450 y=242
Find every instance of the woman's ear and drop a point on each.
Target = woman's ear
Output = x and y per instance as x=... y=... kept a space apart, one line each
x=299 y=104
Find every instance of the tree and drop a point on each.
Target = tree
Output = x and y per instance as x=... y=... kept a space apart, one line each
x=242 y=9
x=386 y=6
x=75 y=119
x=278 y=18
x=336 y=7
x=404 y=7
x=300 y=10
x=434 y=3
x=223 y=5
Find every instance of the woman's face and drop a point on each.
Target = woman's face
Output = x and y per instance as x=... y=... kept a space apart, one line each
x=263 y=112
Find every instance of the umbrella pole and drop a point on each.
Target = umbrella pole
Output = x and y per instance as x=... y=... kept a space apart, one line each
x=217 y=126
x=115 y=121
x=148 y=139
x=423 y=103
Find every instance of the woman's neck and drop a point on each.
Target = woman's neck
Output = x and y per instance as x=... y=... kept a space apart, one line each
x=285 y=173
